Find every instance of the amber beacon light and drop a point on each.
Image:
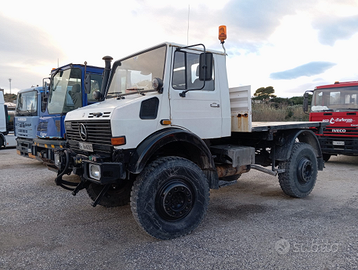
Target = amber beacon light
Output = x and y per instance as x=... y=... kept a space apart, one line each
x=222 y=33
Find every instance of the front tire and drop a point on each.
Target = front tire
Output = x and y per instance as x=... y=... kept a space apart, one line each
x=170 y=197
x=300 y=173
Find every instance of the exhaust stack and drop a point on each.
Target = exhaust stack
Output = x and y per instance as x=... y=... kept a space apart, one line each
x=106 y=72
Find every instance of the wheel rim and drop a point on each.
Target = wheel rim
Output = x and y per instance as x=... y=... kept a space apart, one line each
x=305 y=171
x=175 y=200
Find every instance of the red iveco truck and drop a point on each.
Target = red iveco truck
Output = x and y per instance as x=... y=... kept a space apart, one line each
x=337 y=104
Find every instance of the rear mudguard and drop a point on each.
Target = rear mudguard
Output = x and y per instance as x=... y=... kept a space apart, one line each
x=287 y=139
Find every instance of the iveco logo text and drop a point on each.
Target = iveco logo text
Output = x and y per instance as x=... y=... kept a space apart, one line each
x=339 y=130
x=83 y=132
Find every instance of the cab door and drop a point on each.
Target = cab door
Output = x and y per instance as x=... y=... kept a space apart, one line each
x=193 y=105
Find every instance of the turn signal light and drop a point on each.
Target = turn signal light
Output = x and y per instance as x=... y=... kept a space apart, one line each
x=118 y=141
x=165 y=122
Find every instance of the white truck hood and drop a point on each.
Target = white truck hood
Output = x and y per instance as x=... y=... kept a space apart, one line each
x=100 y=110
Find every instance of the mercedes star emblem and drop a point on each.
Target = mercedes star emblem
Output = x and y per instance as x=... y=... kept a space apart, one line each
x=83 y=132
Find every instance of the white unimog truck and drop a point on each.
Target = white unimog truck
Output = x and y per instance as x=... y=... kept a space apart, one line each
x=168 y=130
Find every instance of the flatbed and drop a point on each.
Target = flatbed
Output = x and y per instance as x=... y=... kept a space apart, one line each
x=270 y=126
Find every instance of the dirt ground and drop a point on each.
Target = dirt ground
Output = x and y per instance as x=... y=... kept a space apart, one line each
x=249 y=225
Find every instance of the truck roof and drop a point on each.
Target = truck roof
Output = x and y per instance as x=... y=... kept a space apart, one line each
x=76 y=65
x=37 y=88
x=338 y=84
x=172 y=44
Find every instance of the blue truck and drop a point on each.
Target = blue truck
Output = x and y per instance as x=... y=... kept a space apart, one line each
x=30 y=106
x=71 y=86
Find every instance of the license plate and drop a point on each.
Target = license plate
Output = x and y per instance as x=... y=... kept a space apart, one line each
x=338 y=143
x=85 y=146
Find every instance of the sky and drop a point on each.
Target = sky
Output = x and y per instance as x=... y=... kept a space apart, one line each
x=290 y=45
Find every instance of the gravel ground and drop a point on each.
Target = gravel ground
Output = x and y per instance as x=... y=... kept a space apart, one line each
x=249 y=225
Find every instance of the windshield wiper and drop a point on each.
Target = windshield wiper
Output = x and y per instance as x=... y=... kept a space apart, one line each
x=27 y=113
x=136 y=89
x=347 y=109
x=120 y=95
x=141 y=92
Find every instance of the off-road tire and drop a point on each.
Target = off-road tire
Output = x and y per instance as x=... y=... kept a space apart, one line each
x=300 y=173
x=117 y=194
x=170 y=197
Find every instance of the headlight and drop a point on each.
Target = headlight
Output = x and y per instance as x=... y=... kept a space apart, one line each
x=57 y=160
x=95 y=171
x=68 y=125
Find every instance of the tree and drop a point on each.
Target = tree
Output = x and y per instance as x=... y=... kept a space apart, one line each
x=264 y=93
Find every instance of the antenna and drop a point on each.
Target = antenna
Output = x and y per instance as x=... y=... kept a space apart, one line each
x=187 y=32
x=10 y=84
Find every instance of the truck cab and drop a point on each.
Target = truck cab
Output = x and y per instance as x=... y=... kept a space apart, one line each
x=71 y=87
x=181 y=100
x=31 y=105
x=337 y=105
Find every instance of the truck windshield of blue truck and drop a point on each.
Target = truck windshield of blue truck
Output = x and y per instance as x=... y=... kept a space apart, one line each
x=27 y=104
x=137 y=72
x=335 y=99
x=65 y=91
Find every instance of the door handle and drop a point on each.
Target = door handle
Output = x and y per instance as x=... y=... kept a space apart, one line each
x=215 y=105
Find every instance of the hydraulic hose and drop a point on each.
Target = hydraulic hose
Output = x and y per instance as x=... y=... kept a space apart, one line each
x=59 y=181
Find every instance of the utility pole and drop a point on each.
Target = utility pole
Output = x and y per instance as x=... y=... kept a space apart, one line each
x=10 y=85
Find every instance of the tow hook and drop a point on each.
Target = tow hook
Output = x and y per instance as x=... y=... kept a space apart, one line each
x=80 y=186
x=100 y=195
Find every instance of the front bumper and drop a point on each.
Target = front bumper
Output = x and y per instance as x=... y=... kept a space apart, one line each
x=24 y=147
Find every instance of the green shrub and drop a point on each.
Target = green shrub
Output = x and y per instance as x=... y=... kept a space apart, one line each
x=263 y=112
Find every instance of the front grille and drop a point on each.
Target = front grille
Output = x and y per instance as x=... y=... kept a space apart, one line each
x=42 y=126
x=98 y=132
x=340 y=131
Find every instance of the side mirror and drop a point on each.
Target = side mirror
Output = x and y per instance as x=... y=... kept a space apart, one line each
x=97 y=95
x=158 y=85
x=87 y=83
x=44 y=101
x=206 y=66
x=305 y=102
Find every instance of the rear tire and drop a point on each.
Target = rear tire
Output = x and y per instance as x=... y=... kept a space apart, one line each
x=300 y=173
x=170 y=197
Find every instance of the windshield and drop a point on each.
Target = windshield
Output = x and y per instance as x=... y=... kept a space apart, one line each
x=335 y=99
x=65 y=91
x=137 y=72
x=27 y=104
